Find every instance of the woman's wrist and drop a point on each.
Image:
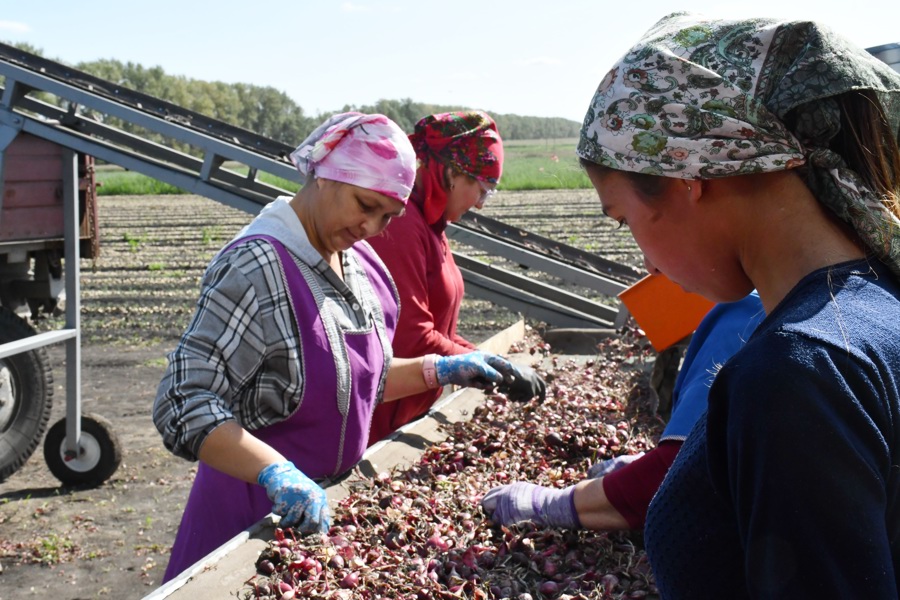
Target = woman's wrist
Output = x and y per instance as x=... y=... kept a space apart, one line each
x=429 y=373
x=593 y=509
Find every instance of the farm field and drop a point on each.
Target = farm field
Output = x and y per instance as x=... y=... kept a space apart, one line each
x=137 y=297
x=143 y=287
x=549 y=164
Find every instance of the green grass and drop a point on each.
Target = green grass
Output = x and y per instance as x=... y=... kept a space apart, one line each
x=113 y=181
x=117 y=183
x=527 y=165
x=542 y=165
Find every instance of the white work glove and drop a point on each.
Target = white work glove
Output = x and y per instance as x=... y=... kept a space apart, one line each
x=520 y=501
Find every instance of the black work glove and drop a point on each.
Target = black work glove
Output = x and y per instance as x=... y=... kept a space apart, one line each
x=523 y=385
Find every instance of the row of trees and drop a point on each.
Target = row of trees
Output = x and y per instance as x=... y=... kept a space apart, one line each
x=512 y=127
x=271 y=113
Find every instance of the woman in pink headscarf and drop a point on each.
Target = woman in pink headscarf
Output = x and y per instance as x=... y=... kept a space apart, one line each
x=460 y=160
x=273 y=384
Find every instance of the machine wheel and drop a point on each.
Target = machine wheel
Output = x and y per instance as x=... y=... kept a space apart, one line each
x=99 y=453
x=26 y=396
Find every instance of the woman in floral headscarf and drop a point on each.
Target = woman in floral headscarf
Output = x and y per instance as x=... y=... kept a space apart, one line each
x=764 y=154
x=460 y=160
x=272 y=386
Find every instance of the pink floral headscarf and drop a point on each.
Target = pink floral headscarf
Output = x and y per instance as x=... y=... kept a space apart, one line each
x=368 y=151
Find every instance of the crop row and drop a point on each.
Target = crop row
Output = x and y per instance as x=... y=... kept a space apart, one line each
x=143 y=286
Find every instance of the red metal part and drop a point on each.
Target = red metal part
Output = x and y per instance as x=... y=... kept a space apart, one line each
x=33 y=195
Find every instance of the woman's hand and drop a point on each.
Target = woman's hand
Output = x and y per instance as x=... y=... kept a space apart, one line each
x=299 y=501
x=526 y=385
x=517 y=502
x=474 y=369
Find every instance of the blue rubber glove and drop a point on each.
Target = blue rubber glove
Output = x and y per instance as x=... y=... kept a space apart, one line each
x=296 y=498
x=517 y=502
x=474 y=369
x=605 y=467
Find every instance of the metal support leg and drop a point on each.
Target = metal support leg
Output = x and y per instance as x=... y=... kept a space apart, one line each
x=73 y=303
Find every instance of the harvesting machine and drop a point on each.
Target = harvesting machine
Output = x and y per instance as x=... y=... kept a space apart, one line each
x=56 y=120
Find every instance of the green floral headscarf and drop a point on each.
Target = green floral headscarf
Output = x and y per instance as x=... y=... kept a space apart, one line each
x=700 y=99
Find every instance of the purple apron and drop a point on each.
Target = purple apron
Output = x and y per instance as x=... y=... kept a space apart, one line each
x=328 y=431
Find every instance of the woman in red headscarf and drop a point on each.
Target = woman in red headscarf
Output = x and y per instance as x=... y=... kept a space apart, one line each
x=460 y=159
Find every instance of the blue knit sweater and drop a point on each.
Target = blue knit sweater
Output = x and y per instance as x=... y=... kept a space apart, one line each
x=790 y=487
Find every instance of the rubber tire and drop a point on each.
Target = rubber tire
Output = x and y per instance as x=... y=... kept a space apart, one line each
x=100 y=448
x=32 y=383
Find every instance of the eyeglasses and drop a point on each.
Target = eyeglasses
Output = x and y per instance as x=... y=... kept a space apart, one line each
x=486 y=192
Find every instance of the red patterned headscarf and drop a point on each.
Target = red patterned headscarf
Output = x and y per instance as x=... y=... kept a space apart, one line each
x=466 y=140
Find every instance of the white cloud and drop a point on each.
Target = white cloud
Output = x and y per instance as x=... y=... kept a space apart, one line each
x=541 y=61
x=463 y=76
x=14 y=26
x=351 y=7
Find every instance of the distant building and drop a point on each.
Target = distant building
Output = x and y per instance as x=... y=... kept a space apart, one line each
x=889 y=53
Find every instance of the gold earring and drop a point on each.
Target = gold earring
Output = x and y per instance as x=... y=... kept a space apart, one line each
x=689 y=188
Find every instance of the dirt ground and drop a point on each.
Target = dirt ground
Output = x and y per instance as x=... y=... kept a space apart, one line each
x=112 y=541
x=107 y=542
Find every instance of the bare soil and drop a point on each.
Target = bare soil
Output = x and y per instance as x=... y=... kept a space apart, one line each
x=112 y=541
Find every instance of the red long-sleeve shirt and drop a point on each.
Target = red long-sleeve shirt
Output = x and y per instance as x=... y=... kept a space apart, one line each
x=631 y=488
x=431 y=290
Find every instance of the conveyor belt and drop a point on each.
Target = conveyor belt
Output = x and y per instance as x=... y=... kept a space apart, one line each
x=214 y=145
x=533 y=242
x=145 y=103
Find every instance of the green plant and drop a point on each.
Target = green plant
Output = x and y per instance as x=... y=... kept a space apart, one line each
x=161 y=361
x=133 y=241
x=210 y=235
x=52 y=549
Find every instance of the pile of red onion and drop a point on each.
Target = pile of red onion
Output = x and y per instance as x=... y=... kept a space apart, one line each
x=420 y=533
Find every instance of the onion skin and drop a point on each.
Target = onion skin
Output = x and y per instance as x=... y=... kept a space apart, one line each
x=420 y=533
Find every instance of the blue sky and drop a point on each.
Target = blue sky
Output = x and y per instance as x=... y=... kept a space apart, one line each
x=526 y=57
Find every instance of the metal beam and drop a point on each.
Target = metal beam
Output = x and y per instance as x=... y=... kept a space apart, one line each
x=73 y=302
x=235 y=197
x=149 y=104
x=500 y=247
x=532 y=298
x=35 y=341
x=169 y=129
x=530 y=240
